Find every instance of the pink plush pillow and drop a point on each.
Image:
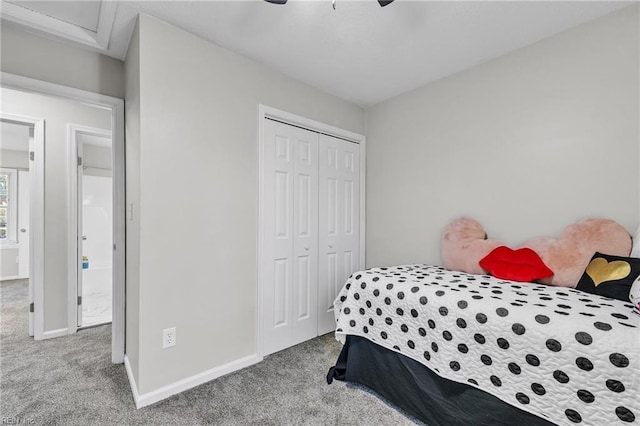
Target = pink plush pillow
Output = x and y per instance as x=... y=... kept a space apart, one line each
x=464 y=242
x=569 y=255
x=516 y=265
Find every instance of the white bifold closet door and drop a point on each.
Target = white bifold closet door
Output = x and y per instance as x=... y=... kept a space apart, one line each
x=290 y=240
x=339 y=230
x=310 y=231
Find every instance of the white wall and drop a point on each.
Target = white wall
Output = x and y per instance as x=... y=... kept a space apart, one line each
x=132 y=188
x=197 y=209
x=527 y=144
x=97 y=221
x=33 y=56
x=57 y=113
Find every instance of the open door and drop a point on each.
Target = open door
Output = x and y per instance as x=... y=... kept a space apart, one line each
x=35 y=231
x=94 y=234
x=80 y=261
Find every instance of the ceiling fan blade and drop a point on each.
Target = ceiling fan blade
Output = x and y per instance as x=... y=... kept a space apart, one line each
x=276 y=1
x=383 y=3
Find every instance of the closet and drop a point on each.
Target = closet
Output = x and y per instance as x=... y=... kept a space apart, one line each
x=310 y=230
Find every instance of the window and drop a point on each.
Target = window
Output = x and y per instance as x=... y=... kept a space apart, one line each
x=8 y=205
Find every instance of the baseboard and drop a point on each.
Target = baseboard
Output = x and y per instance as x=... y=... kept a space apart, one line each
x=55 y=333
x=132 y=381
x=188 y=383
x=14 y=277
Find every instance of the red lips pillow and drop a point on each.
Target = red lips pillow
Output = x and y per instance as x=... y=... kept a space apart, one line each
x=516 y=265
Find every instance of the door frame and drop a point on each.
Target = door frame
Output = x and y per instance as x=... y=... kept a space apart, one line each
x=265 y=112
x=36 y=221
x=74 y=266
x=22 y=190
x=116 y=106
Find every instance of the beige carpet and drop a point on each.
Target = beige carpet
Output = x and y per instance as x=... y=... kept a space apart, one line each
x=71 y=381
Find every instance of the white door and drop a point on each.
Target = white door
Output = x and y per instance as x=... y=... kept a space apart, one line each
x=33 y=184
x=339 y=222
x=290 y=236
x=79 y=233
x=23 y=223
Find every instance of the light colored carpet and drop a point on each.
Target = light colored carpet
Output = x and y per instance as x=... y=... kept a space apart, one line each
x=71 y=381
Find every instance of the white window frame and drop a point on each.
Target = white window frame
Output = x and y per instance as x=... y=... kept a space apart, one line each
x=12 y=217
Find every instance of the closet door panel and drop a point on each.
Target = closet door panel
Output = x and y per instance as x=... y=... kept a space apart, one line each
x=290 y=236
x=350 y=232
x=305 y=225
x=281 y=286
x=277 y=265
x=338 y=222
x=329 y=263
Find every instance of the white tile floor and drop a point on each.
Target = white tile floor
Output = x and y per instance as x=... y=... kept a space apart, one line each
x=96 y=296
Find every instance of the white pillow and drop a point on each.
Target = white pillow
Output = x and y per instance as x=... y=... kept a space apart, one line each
x=635 y=251
x=634 y=295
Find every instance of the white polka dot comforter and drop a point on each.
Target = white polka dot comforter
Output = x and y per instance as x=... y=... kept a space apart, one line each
x=562 y=354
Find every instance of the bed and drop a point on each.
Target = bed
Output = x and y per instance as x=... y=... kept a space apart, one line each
x=452 y=348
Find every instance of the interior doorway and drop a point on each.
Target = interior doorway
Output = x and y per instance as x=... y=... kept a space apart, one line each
x=94 y=228
x=21 y=214
x=14 y=200
x=14 y=205
x=48 y=319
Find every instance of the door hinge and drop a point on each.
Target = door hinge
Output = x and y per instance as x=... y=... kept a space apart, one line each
x=31 y=307
x=79 y=300
x=32 y=156
x=79 y=161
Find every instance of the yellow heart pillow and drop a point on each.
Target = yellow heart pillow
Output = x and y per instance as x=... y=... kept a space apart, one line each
x=610 y=276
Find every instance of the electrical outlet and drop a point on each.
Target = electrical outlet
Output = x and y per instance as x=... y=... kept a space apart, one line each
x=168 y=337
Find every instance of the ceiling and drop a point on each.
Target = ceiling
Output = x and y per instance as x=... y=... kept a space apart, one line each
x=359 y=52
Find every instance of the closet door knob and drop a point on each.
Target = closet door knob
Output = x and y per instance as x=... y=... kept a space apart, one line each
x=306 y=248
x=330 y=245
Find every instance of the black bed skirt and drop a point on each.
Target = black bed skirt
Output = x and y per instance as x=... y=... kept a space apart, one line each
x=420 y=392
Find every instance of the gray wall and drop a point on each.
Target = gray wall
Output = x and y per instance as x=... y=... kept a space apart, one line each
x=527 y=144
x=29 y=55
x=198 y=161
x=57 y=113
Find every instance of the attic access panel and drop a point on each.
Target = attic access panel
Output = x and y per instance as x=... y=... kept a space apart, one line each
x=84 y=14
